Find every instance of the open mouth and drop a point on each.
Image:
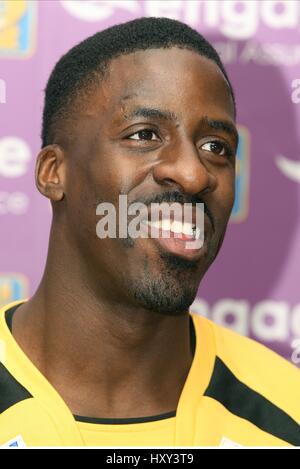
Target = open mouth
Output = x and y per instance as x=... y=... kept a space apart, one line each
x=175 y=229
x=182 y=238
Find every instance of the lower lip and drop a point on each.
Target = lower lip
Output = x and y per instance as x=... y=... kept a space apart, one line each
x=177 y=246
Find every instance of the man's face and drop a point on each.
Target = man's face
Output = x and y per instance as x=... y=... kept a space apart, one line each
x=183 y=153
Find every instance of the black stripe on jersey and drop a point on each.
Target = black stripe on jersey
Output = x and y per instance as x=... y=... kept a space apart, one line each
x=9 y=315
x=11 y=391
x=124 y=421
x=246 y=403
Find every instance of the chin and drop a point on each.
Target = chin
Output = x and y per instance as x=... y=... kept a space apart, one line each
x=166 y=293
x=165 y=305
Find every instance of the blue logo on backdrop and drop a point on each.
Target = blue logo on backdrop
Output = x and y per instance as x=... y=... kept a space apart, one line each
x=241 y=202
x=13 y=287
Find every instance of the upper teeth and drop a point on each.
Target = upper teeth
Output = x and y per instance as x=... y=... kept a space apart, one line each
x=177 y=227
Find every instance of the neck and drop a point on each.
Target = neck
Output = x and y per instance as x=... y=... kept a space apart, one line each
x=106 y=357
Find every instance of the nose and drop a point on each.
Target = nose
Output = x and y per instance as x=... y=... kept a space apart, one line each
x=182 y=167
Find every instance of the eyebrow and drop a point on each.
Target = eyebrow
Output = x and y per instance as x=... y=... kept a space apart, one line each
x=224 y=126
x=155 y=113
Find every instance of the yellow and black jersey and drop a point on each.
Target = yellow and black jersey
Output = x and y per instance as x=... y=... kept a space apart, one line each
x=237 y=393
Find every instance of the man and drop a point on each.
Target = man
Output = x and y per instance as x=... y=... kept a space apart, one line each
x=106 y=353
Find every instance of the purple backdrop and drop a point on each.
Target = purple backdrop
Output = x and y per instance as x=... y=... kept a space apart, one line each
x=253 y=287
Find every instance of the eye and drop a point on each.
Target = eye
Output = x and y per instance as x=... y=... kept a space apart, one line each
x=144 y=134
x=215 y=146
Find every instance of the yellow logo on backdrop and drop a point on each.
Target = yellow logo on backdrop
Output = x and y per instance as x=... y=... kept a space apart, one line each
x=17 y=27
x=13 y=287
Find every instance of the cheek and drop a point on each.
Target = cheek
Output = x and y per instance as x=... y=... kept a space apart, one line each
x=116 y=173
x=225 y=194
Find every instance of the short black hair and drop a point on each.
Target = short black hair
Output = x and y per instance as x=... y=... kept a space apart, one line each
x=85 y=64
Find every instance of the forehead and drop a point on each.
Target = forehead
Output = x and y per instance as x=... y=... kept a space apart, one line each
x=175 y=78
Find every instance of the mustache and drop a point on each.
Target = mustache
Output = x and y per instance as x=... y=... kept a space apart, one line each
x=177 y=197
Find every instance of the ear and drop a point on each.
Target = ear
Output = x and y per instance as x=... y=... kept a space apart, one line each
x=50 y=172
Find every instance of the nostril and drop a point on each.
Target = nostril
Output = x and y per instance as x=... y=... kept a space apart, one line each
x=169 y=181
